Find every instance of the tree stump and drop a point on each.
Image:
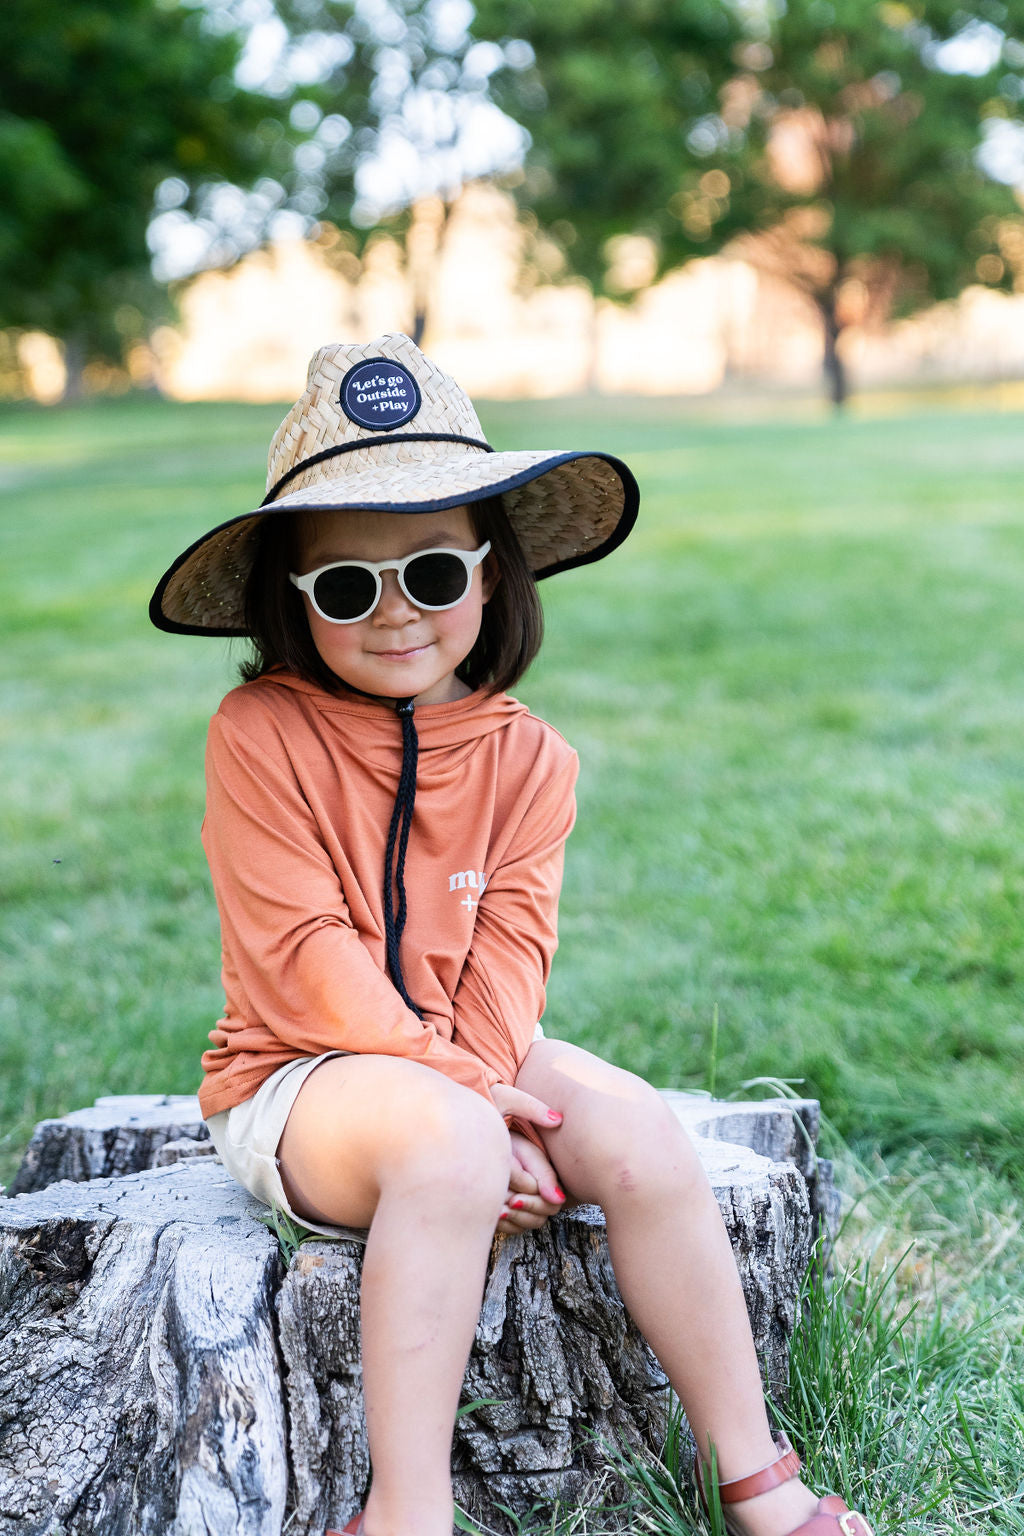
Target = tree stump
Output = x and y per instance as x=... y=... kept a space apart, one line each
x=783 y=1130
x=164 y=1370
x=121 y=1133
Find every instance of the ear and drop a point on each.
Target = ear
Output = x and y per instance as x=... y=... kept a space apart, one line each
x=491 y=575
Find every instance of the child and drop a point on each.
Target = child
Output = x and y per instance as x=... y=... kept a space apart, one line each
x=385 y=828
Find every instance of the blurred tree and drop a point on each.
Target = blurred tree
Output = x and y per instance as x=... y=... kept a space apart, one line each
x=860 y=148
x=400 y=120
x=101 y=105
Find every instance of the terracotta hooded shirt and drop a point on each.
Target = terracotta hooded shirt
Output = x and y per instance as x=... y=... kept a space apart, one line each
x=300 y=789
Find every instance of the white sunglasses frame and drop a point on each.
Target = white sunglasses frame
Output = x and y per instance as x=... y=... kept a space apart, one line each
x=470 y=558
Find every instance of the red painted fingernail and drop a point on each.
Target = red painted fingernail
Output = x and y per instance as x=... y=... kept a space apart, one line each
x=553 y=1114
x=504 y=1213
x=515 y=1205
x=559 y=1193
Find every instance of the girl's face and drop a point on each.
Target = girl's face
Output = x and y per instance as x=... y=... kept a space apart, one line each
x=398 y=651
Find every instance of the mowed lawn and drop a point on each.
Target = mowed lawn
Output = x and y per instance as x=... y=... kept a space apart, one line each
x=796 y=693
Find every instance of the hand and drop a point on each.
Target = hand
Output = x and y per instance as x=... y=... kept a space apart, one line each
x=533 y=1189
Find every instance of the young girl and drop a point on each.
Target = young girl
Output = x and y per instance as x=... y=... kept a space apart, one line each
x=385 y=829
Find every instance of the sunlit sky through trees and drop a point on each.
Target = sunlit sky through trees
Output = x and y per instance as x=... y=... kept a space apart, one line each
x=432 y=138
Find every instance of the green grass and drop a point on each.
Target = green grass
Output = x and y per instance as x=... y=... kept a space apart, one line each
x=796 y=692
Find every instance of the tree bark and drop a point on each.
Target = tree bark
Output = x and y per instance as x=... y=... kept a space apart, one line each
x=162 y=1369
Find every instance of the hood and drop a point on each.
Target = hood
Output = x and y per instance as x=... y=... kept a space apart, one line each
x=440 y=727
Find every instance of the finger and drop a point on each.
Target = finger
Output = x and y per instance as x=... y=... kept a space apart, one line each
x=521 y=1181
x=539 y=1203
x=531 y=1205
x=521 y=1221
x=534 y=1161
x=525 y=1107
x=524 y=1213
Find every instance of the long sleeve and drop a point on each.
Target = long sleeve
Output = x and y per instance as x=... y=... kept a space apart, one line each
x=299 y=966
x=501 y=992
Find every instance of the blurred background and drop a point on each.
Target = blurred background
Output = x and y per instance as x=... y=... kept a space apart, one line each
x=772 y=253
x=669 y=197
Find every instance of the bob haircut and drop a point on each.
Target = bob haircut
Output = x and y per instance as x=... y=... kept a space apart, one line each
x=275 y=615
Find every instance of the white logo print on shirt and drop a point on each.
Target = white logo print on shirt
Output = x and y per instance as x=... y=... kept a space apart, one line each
x=475 y=879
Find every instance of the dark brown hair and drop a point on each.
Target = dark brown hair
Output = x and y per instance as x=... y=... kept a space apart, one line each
x=275 y=615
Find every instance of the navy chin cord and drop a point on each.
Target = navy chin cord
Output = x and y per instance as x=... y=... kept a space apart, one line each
x=398 y=832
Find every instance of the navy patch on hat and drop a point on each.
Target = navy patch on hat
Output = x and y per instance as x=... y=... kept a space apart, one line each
x=380 y=394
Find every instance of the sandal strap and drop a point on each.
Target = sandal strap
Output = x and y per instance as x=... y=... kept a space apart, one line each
x=786 y=1465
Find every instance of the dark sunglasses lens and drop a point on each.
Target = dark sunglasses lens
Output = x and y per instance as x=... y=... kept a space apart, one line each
x=345 y=592
x=436 y=580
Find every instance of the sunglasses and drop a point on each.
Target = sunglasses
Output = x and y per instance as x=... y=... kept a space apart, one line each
x=350 y=590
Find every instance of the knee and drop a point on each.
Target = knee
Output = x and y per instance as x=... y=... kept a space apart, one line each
x=639 y=1152
x=454 y=1144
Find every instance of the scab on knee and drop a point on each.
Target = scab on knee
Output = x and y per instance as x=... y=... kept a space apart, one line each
x=639 y=1151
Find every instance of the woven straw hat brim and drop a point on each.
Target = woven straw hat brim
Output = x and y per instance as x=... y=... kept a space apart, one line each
x=567 y=509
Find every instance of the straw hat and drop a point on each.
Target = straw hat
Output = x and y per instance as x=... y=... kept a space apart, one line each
x=382 y=427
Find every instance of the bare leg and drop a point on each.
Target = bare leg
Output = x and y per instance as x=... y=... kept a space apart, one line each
x=622 y=1147
x=380 y=1142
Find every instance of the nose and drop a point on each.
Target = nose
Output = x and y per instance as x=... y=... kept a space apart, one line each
x=394 y=608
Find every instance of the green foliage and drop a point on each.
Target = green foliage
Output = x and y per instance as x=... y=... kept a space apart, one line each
x=99 y=104
x=894 y=125
x=290 y=1234
x=844 y=134
x=608 y=91
x=395 y=71
x=398 y=90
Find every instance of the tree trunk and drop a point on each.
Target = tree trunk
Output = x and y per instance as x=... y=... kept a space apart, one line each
x=592 y=342
x=75 y=357
x=163 y=1370
x=835 y=370
x=424 y=250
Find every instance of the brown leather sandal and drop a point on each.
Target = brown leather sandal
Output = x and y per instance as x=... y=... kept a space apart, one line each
x=831 y=1517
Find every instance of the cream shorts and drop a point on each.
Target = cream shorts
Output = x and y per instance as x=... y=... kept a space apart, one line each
x=247 y=1136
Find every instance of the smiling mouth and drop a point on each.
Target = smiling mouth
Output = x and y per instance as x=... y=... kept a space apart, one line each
x=412 y=650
